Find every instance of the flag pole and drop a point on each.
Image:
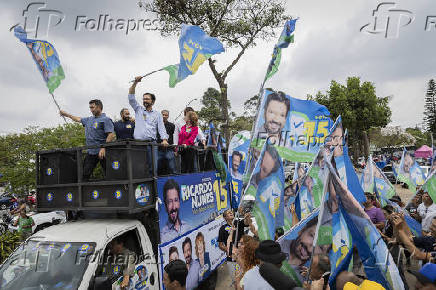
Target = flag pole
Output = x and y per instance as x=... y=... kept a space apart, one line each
x=150 y=73
x=57 y=105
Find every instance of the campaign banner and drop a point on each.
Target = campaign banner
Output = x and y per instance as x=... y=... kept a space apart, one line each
x=297 y=244
x=296 y=127
x=266 y=186
x=188 y=201
x=410 y=172
x=237 y=160
x=198 y=249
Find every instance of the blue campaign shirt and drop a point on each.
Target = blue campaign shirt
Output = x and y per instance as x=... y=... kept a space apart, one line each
x=124 y=130
x=148 y=123
x=96 y=129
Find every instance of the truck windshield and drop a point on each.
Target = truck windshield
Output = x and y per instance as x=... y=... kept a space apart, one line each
x=46 y=265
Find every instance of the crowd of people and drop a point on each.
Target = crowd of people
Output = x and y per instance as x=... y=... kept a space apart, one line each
x=147 y=125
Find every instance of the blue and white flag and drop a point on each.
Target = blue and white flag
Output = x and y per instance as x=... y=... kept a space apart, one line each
x=410 y=172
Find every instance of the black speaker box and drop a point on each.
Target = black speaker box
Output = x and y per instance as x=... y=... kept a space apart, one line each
x=117 y=165
x=58 y=197
x=57 y=168
x=105 y=195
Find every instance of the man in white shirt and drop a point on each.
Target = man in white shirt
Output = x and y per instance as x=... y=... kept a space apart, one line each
x=426 y=210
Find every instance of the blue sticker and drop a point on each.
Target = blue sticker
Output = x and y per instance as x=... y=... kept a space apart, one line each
x=118 y=194
x=84 y=249
x=142 y=194
x=95 y=125
x=65 y=248
x=116 y=165
x=50 y=246
x=50 y=196
x=116 y=269
x=69 y=197
x=49 y=171
x=95 y=194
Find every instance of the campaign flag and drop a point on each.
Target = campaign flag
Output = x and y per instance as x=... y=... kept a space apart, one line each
x=46 y=58
x=297 y=245
x=297 y=128
x=367 y=178
x=195 y=48
x=266 y=186
x=410 y=172
x=286 y=37
x=430 y=186
x=310 y=193
x=237 y=160
x=378 y=262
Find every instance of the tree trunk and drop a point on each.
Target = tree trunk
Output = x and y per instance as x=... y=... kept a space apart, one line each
x=225 y=112
x=365 y=145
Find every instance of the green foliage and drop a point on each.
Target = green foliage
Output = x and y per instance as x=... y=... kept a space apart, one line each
x=17 y=152
x=211 y=101
x=359 y=107
x=421 y=137
x=8 y=243
x=430 y=107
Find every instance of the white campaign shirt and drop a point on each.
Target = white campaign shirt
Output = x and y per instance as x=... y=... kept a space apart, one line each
x=427 y=214
x=252 y=280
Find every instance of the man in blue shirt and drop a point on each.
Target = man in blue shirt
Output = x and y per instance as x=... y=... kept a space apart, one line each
x=124 y=128
x=148 y=122
x=99 y=130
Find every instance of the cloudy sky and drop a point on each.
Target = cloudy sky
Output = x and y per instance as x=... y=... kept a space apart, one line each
x=329 y=45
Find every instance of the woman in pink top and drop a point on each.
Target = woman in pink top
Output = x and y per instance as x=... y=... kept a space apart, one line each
x=187 y=136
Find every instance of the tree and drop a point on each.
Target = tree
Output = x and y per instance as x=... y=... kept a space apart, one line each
x=236 y=23
x=17 y=152
x=390 y=137
x=211 y=110
x=430 y=107
x=360 y=109
x=421 y=137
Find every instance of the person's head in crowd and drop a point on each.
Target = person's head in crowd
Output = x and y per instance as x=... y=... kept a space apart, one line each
x=408 y=162
x=426 y=199
x=148 y=100
x=276 y=110
x=173 y=253
x=301 y=248
x=228 y=216
x=187 y=250
x=125 y=114
x=279 y=232
x=388 y=210
x=171 y=195
x=117 y=246
x=397 y=200
x=186 y=110
x=246 y=252
x=236 y=160
x=165 y=115
x=96 y=107
x=347 y=277
x=269 y=162
x=320 y=265
x=175 y=273
x=369 y=200
x=191 y=118
x=417 y=199
x=270 y=252
x=426 y=277
x=23 y=213
x=200 y=246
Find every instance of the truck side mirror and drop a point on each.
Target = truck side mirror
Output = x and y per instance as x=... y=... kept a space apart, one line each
x=102 y=283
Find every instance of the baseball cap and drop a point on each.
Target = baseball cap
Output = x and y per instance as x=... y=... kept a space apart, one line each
x=427 y=274
x=366 y=285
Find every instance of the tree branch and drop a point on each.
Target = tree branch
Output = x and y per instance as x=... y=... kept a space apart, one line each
x=235 y=61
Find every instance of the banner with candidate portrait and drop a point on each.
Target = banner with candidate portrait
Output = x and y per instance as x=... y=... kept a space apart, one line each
x=237 y=160
x=297 y=244
x=198 y=249
x=189 y=201
x=266 y=186
x=348 y=219
x=410 y=172
x=296 y=127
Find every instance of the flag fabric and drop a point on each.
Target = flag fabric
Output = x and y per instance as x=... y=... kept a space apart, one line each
x=286 y=37
x=367 y=178
x=46 y=58
x=221 y=166
x=195 y=48
x=266 y=185
x=410 y=172
x=378 y=263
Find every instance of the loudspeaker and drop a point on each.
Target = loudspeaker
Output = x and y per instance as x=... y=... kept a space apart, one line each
x=58 y=197
x=57 y=168
x=105 y=195
x=117 y=165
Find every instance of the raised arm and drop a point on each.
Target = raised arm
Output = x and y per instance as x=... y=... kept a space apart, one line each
x=162 y=130
x=74 y=118
x=131 y=96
